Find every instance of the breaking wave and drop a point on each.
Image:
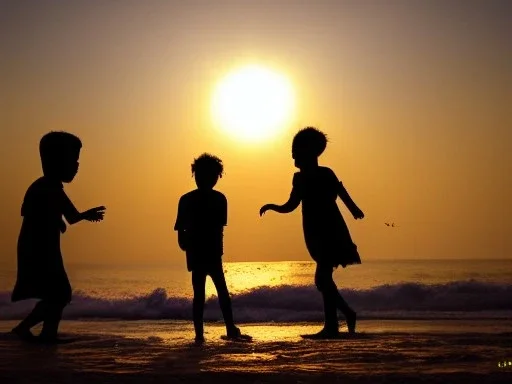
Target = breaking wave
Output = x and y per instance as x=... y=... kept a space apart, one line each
x=459 y=299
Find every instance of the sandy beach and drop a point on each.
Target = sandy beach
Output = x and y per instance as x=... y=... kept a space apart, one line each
x=162 y=351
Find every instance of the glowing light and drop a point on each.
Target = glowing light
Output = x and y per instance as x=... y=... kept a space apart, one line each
x=253 y=103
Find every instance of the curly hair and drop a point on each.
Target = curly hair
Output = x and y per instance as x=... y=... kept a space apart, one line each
x=310 y=140
x=207 y=163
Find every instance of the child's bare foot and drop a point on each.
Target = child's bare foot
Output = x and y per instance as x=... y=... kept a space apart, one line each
x=324 y=334
x=199 y=339
x=234 y=333
x=23 y=333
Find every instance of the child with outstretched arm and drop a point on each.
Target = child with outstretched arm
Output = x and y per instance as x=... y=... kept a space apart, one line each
x=326 y=234
x=41 y=273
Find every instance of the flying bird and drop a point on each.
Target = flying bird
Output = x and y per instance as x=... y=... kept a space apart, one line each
x=390 y=225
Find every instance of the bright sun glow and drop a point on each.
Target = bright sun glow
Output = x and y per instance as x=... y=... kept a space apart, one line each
x=253 y=103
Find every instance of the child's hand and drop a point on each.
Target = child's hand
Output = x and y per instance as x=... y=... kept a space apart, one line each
x=62 y=226
x=95 y=214
x=265 y=208
x=357 y=213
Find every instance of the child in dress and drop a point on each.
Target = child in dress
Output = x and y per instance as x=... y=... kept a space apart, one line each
x=326 y=234
x=202 y=215
x=41 y=273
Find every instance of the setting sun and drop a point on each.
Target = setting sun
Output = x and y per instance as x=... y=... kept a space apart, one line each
x=253 y=103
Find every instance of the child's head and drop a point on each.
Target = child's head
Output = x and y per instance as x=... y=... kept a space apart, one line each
x=308 y=144
x=207 y=169
x=59 y=153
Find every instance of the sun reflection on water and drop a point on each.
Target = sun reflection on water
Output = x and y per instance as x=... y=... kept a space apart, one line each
x=241 y=277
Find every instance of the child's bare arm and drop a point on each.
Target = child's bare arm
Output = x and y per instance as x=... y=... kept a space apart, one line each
x=180 y=223
x=347 y=200
x=292 y=203
x=73 y=216
x=69 y=211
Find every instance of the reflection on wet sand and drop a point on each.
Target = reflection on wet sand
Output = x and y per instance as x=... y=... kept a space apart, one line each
x=165 y=350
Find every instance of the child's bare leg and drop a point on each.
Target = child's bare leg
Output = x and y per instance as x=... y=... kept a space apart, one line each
x=33 y=318
x=330 y=313
x=217 y=275
x=332 y=297
x=325 y=284
x=349 y=313
x=52 y=318
x=198 y=284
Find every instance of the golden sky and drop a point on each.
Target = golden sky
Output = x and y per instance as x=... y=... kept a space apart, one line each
x=414 y=96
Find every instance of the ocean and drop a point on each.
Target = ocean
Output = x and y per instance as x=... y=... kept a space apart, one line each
x=427 y=321
x=285 y=292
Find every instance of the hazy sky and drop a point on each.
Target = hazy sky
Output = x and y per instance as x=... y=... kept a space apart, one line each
x=413 y=96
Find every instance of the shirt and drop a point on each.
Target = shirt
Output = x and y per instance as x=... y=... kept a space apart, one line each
x=203 y=215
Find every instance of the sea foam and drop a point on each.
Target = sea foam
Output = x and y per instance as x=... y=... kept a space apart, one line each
x=459 y=299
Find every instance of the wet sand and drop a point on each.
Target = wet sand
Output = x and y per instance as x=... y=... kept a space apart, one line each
x=162 y=351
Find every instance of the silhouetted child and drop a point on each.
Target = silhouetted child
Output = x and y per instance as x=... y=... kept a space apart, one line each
x=41 y=273
x=202 y=215
x=327 y=237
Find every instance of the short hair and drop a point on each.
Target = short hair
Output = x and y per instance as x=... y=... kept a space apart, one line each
x=56 y=145
x=310 y=140
x=208 y=163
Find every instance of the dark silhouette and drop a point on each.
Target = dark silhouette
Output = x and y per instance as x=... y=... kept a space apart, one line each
x=202 y=215
x=41 y=273
x=390 y=225
x=327 y=237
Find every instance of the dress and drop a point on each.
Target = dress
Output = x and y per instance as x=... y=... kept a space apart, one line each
x=41 y=273
x=326 y=234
